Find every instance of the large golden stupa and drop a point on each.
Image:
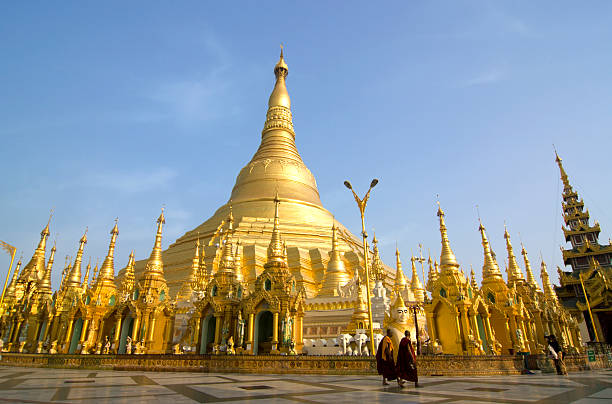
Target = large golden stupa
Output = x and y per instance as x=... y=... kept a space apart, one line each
x=276 y=168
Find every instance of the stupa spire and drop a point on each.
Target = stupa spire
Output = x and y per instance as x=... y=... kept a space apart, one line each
x=74 y=277
x=514 y=271
x=44 y=285
x=10 y=290
x=432 y=275
x=275 y=249
x=35 y=268
x=85 y=283
x=127 y=285
x=549 y=292
x=266 y=170
x=530 y=278
x=566 y=184
x=335 y=274
x=448 y=262
x=195 y=267
x=400 y=278
x=473 y=279
x=155 y=265
x=107 y=271
x=490 y=269
x=415 y=284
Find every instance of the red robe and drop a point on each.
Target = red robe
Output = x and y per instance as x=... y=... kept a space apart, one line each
x=406 y=361
x=384 y=359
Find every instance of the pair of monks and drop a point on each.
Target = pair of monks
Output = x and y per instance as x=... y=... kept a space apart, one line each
x=405 y=368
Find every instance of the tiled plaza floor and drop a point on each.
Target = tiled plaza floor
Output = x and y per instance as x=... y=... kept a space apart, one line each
x=32 y=385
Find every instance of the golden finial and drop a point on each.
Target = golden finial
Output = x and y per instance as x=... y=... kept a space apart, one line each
x=400 y=279
x=74 y=277
x=275 y=249
x=107 y=271
x=448 y=261
x=514 y=271
x=490 y=269
x=155 y=263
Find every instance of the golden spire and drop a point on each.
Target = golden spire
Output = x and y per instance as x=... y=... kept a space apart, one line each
x=549 y=292
x=377 y=272
x=415 y=284
x=490 y=269
x=279 y=104
x=267 y=169
x=107 y=271
x=227 y=262
x=530 y=278
x=74 y=278
x=94 y=278
x=195 y=267
x=448 y=262
x=127 y=285
x=45 y=283
x=36 y=267
x=10 y=291
x=473 y=279
x=275 y=249
x=85 y=283
x=398 y=302
x=432 y=275
x=514 y=271
x=564 y=178
x=335 y=274
x=400 y=279
x=238 y=261
x=155 y=265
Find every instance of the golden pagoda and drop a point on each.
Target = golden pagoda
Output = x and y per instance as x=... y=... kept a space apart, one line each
x=591 y=266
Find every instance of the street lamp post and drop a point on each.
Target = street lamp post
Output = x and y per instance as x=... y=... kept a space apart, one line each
x=361 y=203
x=414 y=309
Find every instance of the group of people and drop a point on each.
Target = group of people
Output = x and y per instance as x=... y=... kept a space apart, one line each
x=405 y=369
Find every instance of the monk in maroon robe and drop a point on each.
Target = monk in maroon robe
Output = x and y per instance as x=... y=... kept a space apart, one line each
x=384 y=360
x=406 y=361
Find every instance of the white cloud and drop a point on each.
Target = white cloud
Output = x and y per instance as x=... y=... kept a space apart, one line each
x=485 y=78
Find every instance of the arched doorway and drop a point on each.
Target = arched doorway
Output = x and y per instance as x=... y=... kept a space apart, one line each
x=127 y=327
x=208 y=327
x=263 y=333
x=77 y=328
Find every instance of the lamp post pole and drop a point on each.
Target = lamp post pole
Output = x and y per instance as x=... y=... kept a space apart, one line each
x=586 y=298
x=414 y=308
x=361 y=203
x=11 y=250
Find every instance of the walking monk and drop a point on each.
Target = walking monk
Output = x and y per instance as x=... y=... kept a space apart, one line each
x=384 y=360
x=406 y=361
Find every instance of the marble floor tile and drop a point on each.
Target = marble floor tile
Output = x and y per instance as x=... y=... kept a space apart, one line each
x=370 y=397
x=607 y=393
x=259 y=388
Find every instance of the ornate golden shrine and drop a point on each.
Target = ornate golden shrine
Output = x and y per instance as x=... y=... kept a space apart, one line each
x=234 y=285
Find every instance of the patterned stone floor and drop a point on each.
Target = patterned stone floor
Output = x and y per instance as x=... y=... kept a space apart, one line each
x=31 y=385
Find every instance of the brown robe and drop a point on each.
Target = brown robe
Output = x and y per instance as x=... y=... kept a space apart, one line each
x=384 y=359
x=406 y=361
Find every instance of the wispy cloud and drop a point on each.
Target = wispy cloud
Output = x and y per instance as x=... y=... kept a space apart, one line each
x=487 y=77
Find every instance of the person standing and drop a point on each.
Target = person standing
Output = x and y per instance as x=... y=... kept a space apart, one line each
x=384 y=360
x=406 y=361
x=556 y=353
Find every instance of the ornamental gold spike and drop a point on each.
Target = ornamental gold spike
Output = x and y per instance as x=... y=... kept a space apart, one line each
x=335 y=274
x=74 y=277
x=448 y=262
x=415 y=284
x=400 y=279
x=107 y=271
x=45 y=283
x=490 y=269
x=514 y=271
x=530 y=278
x=549 y=292
x=155 y=265
x=275 y=249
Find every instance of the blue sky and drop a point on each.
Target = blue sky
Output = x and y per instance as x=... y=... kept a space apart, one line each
x=113 y=109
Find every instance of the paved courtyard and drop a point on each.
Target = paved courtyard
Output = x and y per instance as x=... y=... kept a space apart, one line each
x=32 y=385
